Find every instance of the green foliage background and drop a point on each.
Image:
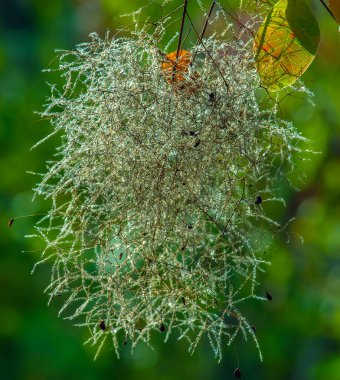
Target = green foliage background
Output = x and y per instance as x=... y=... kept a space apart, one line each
x=299 y=330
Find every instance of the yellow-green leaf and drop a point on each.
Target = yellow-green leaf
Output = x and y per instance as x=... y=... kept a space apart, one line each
x=286 y=43
x=334 y=6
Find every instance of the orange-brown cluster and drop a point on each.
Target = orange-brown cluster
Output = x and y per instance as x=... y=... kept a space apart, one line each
x=175 y=67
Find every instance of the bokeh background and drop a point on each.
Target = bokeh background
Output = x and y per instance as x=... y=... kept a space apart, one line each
x=299 y=330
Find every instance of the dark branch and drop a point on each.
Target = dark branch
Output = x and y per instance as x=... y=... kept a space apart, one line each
x=205 y=26
x=328 y=10
x=208 y=53
x=182 y=28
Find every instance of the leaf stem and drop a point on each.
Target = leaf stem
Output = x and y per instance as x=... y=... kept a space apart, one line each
x=182 y=28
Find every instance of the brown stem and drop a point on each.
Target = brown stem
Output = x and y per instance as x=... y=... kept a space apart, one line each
x=208 y=53
x=328 y=10
x=236 y=20
x=182 y=28
x=205 y=27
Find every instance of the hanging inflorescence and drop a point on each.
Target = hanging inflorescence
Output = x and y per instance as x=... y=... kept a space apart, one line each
x=157 y=223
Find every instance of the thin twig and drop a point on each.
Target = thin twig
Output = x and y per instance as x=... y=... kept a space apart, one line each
x=236 y=20
x=205 y=27
x=182 y=28
x=328 y=10
x=169 y=14
x=210 y=56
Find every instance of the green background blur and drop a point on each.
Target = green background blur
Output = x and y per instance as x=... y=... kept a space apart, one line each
x=299 y=331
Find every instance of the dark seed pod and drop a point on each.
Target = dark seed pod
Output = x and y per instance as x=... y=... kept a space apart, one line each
x=212 y=96
x=254 y=329
x=162 y=327
x=258 y=200
x=183 y=301
x=120 y=256
x=237 y=373
x=190 y=226
x=193 y=133
x=102 y=325
x=197 y=143
x=269 y=296
x=10 y=222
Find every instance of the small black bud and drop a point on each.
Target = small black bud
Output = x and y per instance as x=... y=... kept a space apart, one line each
x=212 y=96
x=237 y=373
x=183 y=301
x=258 y=200
x=193 y=133
x=10 y=222
x=125 y=342
x=197 y=143
x=162 y=327
x=190 y=226
x=120 y=256
x=269 y=296
x=102 y=325
x=254 y=329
